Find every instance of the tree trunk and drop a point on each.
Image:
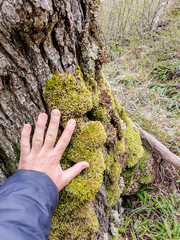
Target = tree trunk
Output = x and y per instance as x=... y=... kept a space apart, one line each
x=37 y=38
x=41 y=38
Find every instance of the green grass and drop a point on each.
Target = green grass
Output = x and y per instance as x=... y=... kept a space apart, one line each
x=151 y=104
x=153 y=217
x=145 y=79
x=144 y=76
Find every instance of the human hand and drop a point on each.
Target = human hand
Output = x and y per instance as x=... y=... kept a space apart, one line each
x=44 y=156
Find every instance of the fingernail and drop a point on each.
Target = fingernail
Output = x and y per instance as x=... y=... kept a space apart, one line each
x=27 y=127
x=43 y=116
x=55 y=112
x=86 y=165
x=72 y=122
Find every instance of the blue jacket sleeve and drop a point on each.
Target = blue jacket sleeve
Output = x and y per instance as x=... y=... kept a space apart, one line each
x=27 y=202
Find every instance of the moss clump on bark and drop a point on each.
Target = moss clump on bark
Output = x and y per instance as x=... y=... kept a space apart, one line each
x=69 y=94
x=146 y=179
x=105 y=137
x=99 y=113
x=134 y=148
x=121 y=148
x=79 y=223
x=113 y=171
x=87 y=146
x=141 y=173
x=74 y=209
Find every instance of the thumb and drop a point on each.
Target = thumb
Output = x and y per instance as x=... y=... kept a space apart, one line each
x=72 y=172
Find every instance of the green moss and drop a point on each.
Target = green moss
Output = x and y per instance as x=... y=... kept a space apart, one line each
x=103 y=81
x=113 y=171
x=85 y=186
x=118 y=107
x=74 y=217
x=17 y=153
x=141 y=173
x=146 y=174
x=113 y=193
x=129 y=172
x=99 y=113
x=143 y=161
x=91 y=136
x=87 y=146
x=145 y=179
x=123 y=115
x=108 y=161
x=131 y=187
x=69 y=94
x=134 y=146
x=121 y=151
x=121 y=146
x=112 y=98
x=78 y=73
x=75 y=96
x=130 y=176
x=79 y=224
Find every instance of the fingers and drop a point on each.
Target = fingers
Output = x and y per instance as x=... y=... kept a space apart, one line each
x=72 y=172
x=65 y=137
x=38 y=136
x=25 y=140
x=52 y=129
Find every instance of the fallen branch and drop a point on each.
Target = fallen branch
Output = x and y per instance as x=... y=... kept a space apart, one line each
x=157 y=147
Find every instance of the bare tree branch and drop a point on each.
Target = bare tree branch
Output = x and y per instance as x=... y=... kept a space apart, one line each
x=157 y=147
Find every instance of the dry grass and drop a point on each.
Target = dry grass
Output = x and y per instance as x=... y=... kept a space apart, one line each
x=146 y=106
x=145 y=77
x=146 y=81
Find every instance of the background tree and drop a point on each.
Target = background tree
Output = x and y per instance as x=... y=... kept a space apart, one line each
x=40 y=38
x=144 y=73
x=126 y=21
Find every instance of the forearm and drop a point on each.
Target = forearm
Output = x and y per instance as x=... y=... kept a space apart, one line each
x=27 y=202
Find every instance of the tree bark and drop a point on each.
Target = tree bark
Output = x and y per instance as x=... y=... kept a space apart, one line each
x=38 y=38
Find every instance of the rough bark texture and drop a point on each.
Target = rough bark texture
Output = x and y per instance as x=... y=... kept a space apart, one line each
x=38 y=38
